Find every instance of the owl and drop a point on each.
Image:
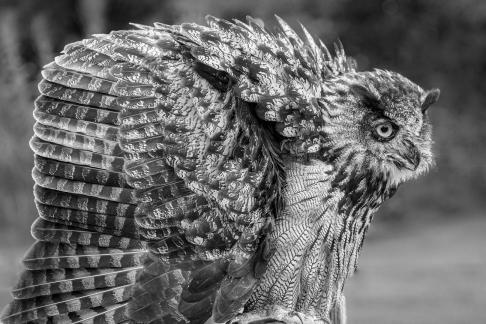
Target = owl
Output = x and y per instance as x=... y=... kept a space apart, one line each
x=210 y=174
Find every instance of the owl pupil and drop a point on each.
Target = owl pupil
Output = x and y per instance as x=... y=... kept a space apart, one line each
x=384 y=130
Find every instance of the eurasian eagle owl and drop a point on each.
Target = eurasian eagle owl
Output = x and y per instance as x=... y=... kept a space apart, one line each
x=206 y=174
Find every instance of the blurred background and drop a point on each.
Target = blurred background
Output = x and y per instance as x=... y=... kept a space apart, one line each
x=425 y=259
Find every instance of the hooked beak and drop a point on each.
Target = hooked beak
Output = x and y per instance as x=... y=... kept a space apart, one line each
x=413 y=160
x=410 y=159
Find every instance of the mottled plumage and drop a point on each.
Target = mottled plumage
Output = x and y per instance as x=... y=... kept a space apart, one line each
x=206 y=174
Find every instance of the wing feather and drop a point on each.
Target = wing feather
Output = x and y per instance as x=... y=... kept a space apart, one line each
x=55 y=255
x=34 y=283
x=83 y=115
x=77 y=172
x=43 y=307
x=44 y=230
x=89 y=249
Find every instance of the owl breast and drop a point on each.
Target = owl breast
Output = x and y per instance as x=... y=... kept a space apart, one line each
x=314 y=245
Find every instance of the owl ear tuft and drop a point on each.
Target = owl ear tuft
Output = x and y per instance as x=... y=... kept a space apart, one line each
x=430 y=97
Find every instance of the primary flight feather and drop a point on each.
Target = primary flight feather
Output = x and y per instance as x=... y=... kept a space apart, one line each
x=210 y=174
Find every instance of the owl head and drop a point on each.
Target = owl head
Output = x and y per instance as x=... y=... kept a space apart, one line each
x=378 y=121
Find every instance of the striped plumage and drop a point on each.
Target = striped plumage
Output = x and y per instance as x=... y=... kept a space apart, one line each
x=191 y=173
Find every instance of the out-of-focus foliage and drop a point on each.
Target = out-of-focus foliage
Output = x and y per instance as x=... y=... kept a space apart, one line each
x=437 y=43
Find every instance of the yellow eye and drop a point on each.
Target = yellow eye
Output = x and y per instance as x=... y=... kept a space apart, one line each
x=385 y=130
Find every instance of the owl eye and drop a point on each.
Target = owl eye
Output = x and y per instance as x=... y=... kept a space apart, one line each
x=385 y=130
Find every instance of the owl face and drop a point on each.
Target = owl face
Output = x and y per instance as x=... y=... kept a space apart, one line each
x=378 y=120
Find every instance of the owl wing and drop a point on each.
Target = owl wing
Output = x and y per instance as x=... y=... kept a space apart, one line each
x=158 y=171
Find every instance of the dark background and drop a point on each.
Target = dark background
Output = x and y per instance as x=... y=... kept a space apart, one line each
x=425 y=259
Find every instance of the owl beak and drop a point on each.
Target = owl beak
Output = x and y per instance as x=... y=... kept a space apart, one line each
x=412 y=159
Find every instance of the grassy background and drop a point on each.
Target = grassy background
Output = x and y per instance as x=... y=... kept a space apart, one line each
x=424 y=260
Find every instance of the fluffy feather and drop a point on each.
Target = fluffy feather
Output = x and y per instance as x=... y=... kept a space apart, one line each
x=186 y=173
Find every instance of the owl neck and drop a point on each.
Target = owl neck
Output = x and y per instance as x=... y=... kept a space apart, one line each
x=331 y=190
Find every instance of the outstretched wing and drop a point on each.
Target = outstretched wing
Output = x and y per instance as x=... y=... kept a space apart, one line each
x=88 y=248
x=158 y=169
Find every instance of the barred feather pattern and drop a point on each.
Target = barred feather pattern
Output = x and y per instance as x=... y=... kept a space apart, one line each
x=89 y=249
x=161 y=157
